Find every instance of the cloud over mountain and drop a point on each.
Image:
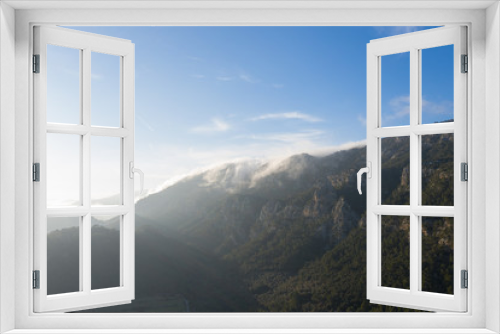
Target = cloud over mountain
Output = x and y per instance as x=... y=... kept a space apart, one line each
x=289 y=115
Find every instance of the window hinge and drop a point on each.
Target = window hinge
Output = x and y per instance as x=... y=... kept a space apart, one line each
x=465 y=64
x=36 y=279
x=36 y=172
x=36 y=63
x=464 y=171
x=465 y=279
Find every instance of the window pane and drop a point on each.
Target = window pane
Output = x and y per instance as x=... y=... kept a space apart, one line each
x=105 y=247
x=396 y=252
x=105 y=83
x=63 y=170
x=395 y=171
x=437 y=255
x=437 y=170
x=106 y=170
x=63 y=255
x=63 y=85
x=395 y=90
x=437 y=84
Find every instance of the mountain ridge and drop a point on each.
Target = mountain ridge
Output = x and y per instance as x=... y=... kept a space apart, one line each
x=286 y=237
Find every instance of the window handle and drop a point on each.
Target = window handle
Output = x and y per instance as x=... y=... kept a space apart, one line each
x=141 y=174
x=368 y=171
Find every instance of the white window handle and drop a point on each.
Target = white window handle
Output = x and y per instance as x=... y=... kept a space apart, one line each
x=133 y=170
x=368 y=171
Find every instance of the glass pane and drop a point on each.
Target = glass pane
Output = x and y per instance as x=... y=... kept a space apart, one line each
x=105 y=90
x=63 y=255
x=106 y=171
x=437 y=84
x=63 y=169
x=437 y=169
x=396 y=252
x=437 y=255
x=395 y=90
x=395 y=170
x=105 y=247
x=63 y=85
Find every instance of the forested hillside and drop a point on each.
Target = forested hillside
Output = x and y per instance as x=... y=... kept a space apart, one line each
x=279 y=237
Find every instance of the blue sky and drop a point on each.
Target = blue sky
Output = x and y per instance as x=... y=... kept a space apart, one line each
x=206 y=95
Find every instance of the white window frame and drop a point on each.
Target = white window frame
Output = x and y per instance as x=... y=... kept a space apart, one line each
x=86 y=44
x=414 y=43
x=482 y=18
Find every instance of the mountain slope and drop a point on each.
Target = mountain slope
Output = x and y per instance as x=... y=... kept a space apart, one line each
x=284 y=236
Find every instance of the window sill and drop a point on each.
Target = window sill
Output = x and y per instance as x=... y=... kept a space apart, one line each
x=250 y=331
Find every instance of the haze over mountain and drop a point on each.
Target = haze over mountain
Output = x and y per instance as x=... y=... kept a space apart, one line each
x=283 y=236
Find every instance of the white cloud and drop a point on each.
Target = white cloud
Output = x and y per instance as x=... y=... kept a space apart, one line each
x=247 y=78
x=289 y=137
x=197 y=76
x=288 y=115
x=278 y=86
x=96 y=76
x=166 y=163
x=400 y=107
x=443 y=107
x=362 y=120
x=324 y=151
x=242 y=76
x=216 y=125
x=194 y=161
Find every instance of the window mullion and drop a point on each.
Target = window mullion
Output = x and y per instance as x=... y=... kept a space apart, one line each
x=414 y=171
x=86 y=103
x=85 y=248
x=85 y=266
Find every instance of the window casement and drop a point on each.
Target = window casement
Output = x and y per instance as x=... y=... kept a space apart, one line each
x=414 y=212
x=83 y=139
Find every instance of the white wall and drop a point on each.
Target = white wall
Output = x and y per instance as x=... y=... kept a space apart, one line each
x=492 y=165
x=7 y=159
